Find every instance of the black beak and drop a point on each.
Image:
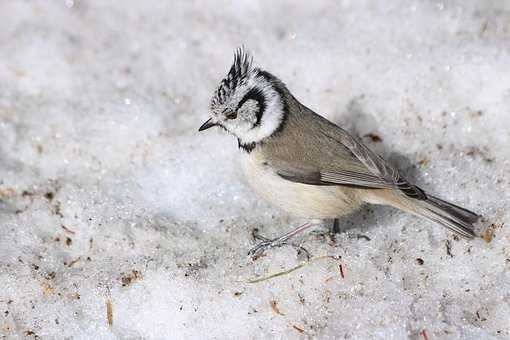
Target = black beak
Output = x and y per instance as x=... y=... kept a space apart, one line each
x=207 y=124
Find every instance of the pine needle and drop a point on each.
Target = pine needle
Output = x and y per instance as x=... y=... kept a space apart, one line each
x=299 y=266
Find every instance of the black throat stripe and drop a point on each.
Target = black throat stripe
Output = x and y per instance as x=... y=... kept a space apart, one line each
x=248 y=147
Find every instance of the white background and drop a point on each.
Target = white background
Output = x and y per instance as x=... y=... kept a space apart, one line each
x=100 y=102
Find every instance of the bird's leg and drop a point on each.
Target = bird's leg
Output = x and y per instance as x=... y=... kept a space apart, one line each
x=277 y=242
x=334 y=230
x=336 y=226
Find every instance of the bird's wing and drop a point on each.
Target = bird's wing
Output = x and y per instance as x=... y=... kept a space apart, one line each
x=383 y=173
x=340 y=177
x=339 y=159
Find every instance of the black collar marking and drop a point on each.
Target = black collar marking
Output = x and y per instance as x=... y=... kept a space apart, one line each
x=248 y=147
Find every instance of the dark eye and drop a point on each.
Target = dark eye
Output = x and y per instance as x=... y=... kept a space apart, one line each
x=232 y=115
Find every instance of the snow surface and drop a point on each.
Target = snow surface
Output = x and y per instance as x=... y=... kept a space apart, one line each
x=110 y=196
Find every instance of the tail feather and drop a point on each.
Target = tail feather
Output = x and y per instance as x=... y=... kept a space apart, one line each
x=451 y=216
x=454 y=210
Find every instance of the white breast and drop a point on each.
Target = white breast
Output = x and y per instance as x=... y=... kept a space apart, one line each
x=300 y=200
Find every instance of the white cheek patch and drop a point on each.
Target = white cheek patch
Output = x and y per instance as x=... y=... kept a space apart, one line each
x=246 y=126
x=271 y=117
x=248 y=113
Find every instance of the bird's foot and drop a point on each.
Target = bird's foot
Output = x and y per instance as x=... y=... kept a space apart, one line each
x=261 y=247
x=267 y=243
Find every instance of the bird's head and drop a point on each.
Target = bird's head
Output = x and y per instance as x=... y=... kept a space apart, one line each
x=248 y=102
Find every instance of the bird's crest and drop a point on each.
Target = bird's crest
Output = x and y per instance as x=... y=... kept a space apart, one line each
x=239 y=73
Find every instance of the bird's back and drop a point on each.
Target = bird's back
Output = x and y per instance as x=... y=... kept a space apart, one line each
x=306 y=142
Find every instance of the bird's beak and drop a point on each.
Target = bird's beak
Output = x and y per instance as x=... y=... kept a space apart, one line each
x=208 y=124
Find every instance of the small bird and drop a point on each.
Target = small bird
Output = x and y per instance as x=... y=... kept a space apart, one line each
x=306 y=165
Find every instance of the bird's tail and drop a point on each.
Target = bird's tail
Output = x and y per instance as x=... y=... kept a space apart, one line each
x=453 y=217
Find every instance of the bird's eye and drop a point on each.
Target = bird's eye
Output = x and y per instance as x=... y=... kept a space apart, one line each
x=232 y=115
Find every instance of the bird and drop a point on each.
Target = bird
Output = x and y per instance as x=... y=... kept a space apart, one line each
x=308 y=166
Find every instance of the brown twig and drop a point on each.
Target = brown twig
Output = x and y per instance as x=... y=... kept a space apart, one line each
x=343 y=270
x=274 y=307
x=300 y=330
x=109 y=312
x=73 y=262
x=66 y=229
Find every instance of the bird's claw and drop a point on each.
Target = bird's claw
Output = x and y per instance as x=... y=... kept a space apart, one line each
x=266 y=243
x=260 y=248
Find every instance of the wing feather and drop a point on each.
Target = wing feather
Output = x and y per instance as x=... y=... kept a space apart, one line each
x=318 y=152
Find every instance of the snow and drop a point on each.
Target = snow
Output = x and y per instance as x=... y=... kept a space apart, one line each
x=108 y=194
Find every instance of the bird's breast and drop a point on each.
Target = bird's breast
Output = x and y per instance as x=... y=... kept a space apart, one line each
x=301 y=200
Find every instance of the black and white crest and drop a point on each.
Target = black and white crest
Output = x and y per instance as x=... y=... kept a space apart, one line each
x=239 y=73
